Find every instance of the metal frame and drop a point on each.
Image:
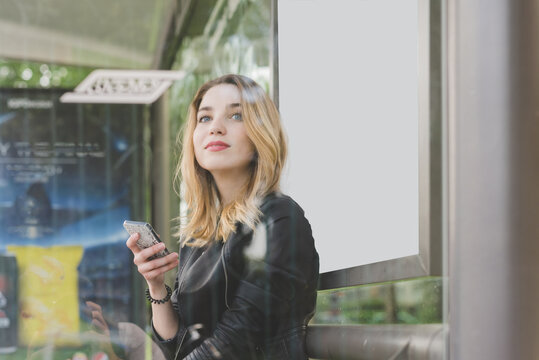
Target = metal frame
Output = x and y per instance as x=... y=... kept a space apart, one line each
x=180 y=14
x=429 y=259
x=274 y=56
x=493 y=147
x=373 y=342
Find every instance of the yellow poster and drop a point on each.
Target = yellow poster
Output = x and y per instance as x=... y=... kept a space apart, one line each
x=48 y=294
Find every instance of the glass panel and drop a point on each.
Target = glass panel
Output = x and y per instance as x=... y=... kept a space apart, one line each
x=417 y=301
x=123 y=33
x=70 y=174
x=235 y=39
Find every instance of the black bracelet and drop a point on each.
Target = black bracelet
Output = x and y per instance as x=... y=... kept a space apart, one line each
x=163 y=300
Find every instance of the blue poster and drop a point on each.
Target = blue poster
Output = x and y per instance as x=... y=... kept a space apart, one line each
x=69 y=176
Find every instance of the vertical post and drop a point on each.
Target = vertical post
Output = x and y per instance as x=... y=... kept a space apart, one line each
x=525 y=181
x=160 y=167
x=493 y=150
x=274 y=55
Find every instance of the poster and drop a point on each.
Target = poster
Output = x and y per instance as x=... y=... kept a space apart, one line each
x=69 y=177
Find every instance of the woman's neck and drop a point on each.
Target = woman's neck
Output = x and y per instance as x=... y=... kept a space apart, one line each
x=230 y=185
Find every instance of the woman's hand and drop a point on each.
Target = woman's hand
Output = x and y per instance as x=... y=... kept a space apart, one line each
x=152 y=270
x=98 y=319
x=164 y=317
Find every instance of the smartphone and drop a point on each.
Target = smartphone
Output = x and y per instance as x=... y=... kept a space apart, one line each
x=148 y=236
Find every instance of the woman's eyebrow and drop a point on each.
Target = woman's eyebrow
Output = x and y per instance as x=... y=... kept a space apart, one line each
x=205 y=108
x=209 y=108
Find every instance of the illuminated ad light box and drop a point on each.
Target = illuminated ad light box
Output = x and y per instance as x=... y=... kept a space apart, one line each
x=69 y=177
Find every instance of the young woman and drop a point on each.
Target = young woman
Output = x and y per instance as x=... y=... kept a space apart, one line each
x=248 y=268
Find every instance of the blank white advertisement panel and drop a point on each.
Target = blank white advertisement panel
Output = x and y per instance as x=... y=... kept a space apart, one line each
x=348 y=96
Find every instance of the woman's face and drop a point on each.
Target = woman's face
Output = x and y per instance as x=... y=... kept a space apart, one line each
x=220 y=139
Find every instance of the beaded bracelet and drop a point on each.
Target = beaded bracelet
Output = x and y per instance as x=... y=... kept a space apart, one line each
x=163 y=300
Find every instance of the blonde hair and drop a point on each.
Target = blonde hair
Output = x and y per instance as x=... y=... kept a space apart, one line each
x=206 y=220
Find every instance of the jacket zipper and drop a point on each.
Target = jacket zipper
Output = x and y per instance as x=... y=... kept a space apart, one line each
x=180 y=345
x=226 y=275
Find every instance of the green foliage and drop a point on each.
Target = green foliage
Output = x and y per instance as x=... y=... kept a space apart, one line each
x=243 y=47
x=23 y=74
x=417 y=301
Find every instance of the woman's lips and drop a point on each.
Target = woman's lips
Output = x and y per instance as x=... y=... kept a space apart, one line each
x=217 y=146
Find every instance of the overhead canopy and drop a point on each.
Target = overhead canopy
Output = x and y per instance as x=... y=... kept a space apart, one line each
x=38 y=38
x=97 y=33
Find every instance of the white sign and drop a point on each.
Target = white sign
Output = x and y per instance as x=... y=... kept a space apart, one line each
x=348 y=95
x=122 y=86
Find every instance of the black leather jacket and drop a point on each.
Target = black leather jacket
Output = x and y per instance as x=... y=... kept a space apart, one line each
x=251 y=297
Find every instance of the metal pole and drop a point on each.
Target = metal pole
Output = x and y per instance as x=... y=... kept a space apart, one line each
x=160 y=167
x=493 y=150
x=374 y=342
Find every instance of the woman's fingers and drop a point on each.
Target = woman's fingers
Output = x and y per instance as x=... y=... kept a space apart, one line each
x=160 y=261
x=132 y=243
x=143 y=255
x=98 y=320
x=93 y=306
x=163 y=262
x=151 y=269
x=152 y=274
x=100 y=327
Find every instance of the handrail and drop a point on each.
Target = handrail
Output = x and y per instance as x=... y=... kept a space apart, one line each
x=377 y=342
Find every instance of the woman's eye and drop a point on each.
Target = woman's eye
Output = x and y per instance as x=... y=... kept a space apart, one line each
x=204 y=119
x=236 y=116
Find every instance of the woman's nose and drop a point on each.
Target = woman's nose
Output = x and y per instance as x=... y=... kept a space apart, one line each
x=214 y=130
x=217 y=127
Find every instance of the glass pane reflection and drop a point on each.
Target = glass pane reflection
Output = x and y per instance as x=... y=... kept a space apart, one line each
x=417 y=301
